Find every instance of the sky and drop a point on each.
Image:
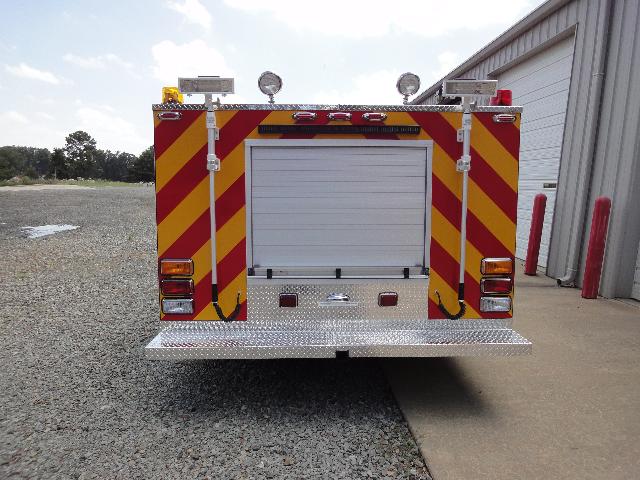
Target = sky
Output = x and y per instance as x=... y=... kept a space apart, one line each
x=99 y=66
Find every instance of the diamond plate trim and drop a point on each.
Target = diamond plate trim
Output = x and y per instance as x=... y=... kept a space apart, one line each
x=352 y=108
x=209 y=340
x=263 y=302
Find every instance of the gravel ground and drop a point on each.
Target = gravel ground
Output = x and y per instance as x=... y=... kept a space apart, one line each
x=79 y=400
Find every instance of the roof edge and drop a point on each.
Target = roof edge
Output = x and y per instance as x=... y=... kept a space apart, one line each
x=523 y=25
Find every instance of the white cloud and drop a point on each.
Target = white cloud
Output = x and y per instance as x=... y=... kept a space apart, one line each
x=193 y=12
x=375 y=18
x=110 y=131
x=45 y=116
x=12 y=116
x=187 y=60
x=447 y=61
x=100 y=62
x=377 y=88
x=25 y=71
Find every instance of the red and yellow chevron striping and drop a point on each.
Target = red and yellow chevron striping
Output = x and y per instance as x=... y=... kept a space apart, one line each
x=183 y=199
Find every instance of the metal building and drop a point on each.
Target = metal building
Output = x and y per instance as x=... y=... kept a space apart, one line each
x=575 y=67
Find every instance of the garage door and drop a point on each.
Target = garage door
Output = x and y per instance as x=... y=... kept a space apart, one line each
x=338 y=203
x=541 y=85
x=635 y=292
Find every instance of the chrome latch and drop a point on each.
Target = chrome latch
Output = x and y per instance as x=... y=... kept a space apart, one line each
x=464 y=163
x=338 y=300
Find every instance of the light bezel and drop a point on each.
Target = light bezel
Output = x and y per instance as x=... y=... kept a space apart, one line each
x=494 y=301
x=393 y=295
x=506 y=280
x=166 y=261
x=279 y=84
x=288 y=295
x=185 y=281
x=403 y=76
x=485 y=261
x=188 y=301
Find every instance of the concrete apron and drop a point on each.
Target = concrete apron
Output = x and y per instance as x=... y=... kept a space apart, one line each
x=571 y=410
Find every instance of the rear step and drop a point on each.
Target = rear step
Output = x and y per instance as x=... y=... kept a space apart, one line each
x=241 y=340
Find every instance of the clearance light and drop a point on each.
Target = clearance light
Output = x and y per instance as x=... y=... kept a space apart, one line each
x=495 y=285
x=179 y=306
x=374 y=117
x=496 y=266
x=304 y=116
x=339 y=116
x=495 y=304
x=177 y=287
x=182 y=266
x=469 y=88
x=213 y=85
x=408 y=84
x=289 y=300
x=388 y=299
x=269 y=83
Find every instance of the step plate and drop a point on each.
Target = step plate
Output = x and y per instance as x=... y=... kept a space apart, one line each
x=238 y=340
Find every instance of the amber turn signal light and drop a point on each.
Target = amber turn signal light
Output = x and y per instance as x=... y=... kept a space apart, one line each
x=496 y=266
x=176 y=267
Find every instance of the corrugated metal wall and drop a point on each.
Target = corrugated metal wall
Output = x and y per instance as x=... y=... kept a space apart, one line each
x=615 y=171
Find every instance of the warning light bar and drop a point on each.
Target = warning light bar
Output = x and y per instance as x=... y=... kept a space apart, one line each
x=469 y=88
x=213 y=85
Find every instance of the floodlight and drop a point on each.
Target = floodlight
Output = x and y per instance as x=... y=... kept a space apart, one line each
x=206 y=85
x=407 y=85
x=269 y=84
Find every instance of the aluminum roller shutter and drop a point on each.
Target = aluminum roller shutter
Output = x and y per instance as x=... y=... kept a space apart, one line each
x=540 y=84
x=338 y=204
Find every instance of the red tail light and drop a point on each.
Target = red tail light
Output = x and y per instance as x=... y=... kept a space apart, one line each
x=496 y=285
x=503 y=97
x=374 y=116
x=388 y=299
x=289 y=300
x=176 y=287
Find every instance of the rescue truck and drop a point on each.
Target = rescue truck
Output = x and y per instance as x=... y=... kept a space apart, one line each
x=336 y=230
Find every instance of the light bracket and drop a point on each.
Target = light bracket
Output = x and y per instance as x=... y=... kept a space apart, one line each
x=469 y=88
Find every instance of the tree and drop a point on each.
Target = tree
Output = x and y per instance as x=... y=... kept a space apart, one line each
x=58 y=166
x=142 y=169
x=29 y=161
x=80 y=150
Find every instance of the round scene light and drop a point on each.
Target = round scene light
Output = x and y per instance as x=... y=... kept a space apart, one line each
x=408 y=84
x=269 y=83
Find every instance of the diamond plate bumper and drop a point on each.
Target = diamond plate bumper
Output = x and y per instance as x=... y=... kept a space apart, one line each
x=322 y=339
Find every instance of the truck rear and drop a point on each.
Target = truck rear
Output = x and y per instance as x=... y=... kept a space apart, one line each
x=335 y=230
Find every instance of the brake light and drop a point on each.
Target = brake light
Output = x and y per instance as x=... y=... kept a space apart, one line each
x=176 y=266
x=503 y=97
x=495 y=285
x=496 y=266
x=288 y=300
x=340 y=116
x=304 y=116
x=388 y=299
x=176 y=287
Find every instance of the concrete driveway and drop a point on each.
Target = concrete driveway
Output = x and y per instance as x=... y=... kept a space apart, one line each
x=571 y=410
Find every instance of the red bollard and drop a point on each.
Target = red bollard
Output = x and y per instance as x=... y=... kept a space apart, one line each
x=535 y=234
x=595 y=252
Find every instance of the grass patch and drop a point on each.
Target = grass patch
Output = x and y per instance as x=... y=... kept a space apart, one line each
x=51 y=181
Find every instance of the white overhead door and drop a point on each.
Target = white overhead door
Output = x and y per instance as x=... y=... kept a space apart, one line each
x=540 y=84
x=635 y=290
x=338 y=203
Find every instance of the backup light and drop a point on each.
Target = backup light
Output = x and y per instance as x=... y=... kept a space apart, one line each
x=469 y=88
x=212 y=85
x=269 y=84
x=179 y=306
x=496 y=266
x=179 y=287
x=183 y=266
x=495 y=304
x=408 y=84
